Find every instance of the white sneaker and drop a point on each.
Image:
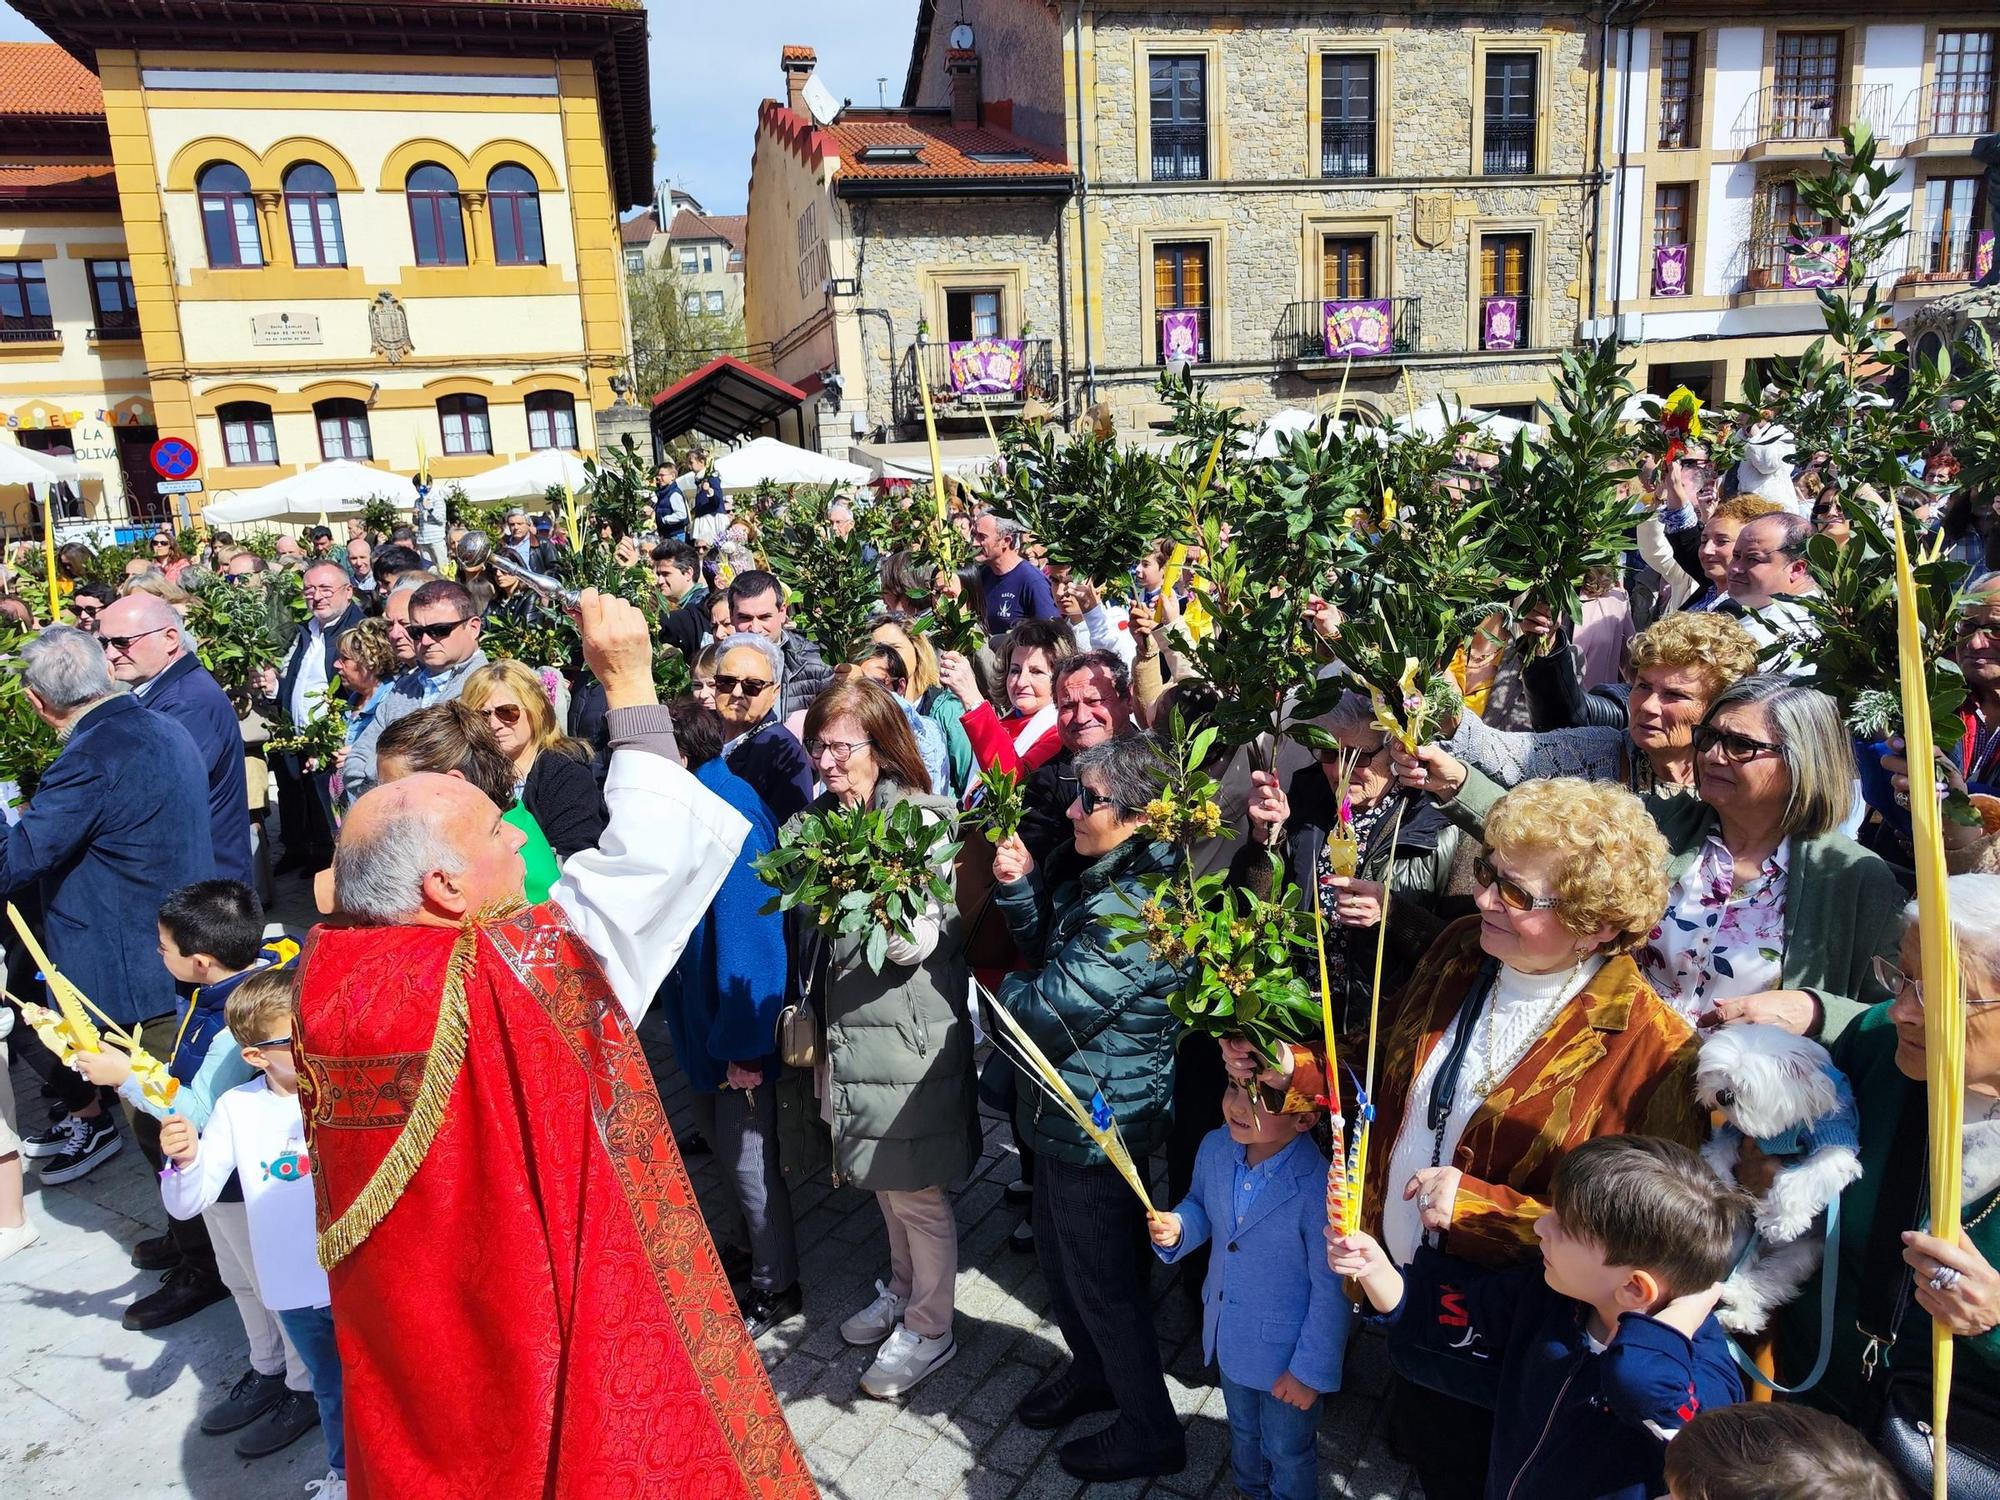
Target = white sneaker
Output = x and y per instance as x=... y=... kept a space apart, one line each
x=19 y=1237
x=333 y=1487
x=877 y=1320
x=904 y=1360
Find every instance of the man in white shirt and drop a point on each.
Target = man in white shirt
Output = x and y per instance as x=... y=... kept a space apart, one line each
x=1767 y=577
x=305 y=802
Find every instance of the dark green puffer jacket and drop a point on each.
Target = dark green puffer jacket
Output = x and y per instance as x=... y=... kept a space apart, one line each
x=1101 y=1017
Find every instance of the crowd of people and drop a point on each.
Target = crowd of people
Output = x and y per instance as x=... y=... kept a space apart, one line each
x=1642 y=830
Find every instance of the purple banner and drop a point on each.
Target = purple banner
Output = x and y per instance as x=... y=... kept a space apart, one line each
x=1500 y=323
x=1180 y=335
x=1670 y=270
x=1816 y=260
x=986 y=367
x=1982 y=255
x=1359 y=326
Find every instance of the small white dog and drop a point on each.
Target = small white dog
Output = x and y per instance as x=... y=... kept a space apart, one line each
x=1783 y=1092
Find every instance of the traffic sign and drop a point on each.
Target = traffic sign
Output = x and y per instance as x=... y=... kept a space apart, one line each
x=179 y=486
x=174 y=458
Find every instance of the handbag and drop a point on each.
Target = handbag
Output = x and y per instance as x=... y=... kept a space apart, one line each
x=798 y=1036
x=1903 y=1435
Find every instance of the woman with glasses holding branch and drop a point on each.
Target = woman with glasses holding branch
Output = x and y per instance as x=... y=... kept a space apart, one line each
x=552 y=772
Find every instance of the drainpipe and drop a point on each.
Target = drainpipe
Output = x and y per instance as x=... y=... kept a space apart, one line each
x=1624 y=141
x=895 y=395
x=1597 y=172
x=1062 y=312
x=1083 y=211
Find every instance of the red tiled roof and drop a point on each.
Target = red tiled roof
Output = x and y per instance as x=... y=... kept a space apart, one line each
x=689 y=225
x=40 y=78
x=945 y=152
x=800 y=54
x=639 y=230
x=72 y=186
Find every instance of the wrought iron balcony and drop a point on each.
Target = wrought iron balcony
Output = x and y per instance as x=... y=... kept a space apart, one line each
x=29 y=331
x=964 y=375
x=1929 y=257
x=1347 y=148
x=1303 y=336
x=1510 y=148
x=1766 y=256
x=1798 y=119
x=1180 y=153
x=124 y=328
x=1944 y=117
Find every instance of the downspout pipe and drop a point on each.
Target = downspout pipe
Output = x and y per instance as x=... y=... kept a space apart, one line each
x=1082 y=212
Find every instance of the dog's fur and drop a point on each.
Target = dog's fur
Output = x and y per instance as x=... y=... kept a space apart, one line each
x=1766 y=1081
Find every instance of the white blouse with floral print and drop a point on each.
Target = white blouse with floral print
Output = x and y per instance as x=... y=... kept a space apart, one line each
x=1716 y=942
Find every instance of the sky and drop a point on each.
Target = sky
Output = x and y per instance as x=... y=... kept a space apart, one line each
x=713 y=61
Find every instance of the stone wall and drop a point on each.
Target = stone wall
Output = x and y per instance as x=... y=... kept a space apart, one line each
x=1020 y=51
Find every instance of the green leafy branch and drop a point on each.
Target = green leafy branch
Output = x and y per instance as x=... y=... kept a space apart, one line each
x=863 y=875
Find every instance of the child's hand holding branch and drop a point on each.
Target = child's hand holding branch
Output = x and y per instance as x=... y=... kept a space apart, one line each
x=1360 y=1258
x=1165 y=1230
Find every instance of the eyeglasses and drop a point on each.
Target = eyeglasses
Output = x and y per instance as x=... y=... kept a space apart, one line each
x=123 y=643
x=1735 y=749
x=85 y=611
x=1091 y=800
x=841 y=753
x=436 y=632
x=160 y=541
x=1512 y=893
x=748 y=687
x=321 y=590
x=276 y=1041
x=1333 y=754
x=505 y=714
x=1895 y=981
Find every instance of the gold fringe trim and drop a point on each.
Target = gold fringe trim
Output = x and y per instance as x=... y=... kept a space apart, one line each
x=447 y=1056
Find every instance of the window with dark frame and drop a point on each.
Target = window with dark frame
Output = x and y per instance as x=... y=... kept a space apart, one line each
x=248 y=436
x=437 y=224
x=1180 y=284
x=1670 y=214
x=1346 y=267
x=515 y=202
x=1785 y=218
x=1805 y=86
x=463 y=419
x=972 y=313
x=1178 y=101
x=551 y=419
x=1962 y=95
x=1510 y=113
x=1680 y=90
x=1954 y=212
x=112 y=302
x=1347 y=114
x=1506 y=270
x=343 y=429
x=312 y=211
x=24 y=302
x=229 y=218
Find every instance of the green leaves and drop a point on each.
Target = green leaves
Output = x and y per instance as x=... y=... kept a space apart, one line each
x=318 y=739
x=381 y=515
x=840 y=590
x=241 y=628
x=1096 y=506
x=28 y=747
x=620 y=485
x=1000 y=806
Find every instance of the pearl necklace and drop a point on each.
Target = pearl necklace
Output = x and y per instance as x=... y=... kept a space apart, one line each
x=1494 y=1074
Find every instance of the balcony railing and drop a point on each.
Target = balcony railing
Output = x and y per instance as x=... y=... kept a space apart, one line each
x=966 y=374
x=1765 y=257
x=1347 y=148
x=1502 y=327
x=1180 y=153
x=122 y=329
x=1950 y=109
x=1781 y=113
x=1510 y=148
x=1939 y=255
x=1303 y=336
x=29 y=331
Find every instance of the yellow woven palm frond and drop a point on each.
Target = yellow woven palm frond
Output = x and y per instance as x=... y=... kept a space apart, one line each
x=67 y=997
x=1944 y=998
x=1337 y=1195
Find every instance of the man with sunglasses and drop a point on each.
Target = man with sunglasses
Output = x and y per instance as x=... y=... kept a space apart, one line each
x=144 y=645
x=444 y=628
x=761 y=748
x=305 y=800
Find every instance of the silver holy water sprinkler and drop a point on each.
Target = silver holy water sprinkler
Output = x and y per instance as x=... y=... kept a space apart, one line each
x=475 y=550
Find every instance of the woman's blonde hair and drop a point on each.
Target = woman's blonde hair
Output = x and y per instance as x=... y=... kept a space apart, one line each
x=520 y=680
x=368 y=644
x=1610 y=860
x=160 y=586
x=920 y=660
x=1704 y=641
x=1743 y=509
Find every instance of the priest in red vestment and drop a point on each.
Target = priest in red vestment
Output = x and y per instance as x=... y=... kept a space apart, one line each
x=526 y=1298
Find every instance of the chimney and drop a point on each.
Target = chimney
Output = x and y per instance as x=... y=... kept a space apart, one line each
x=962 y=66
x=799 y=63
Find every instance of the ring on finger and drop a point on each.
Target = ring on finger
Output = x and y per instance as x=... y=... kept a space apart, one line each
x=1944 y=1278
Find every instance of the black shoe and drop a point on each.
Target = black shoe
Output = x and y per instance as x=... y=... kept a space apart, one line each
x=291 y=1417
x=184 y=1291
x=1021 y=1237
x=58 y=1138
x=91 y=1144
x=1109 y=1456
x=763 y=1311
x=158 y=1253
x=248 y=1399
x=1060 y=1400
x=736 y=1264
x=1019 y=1193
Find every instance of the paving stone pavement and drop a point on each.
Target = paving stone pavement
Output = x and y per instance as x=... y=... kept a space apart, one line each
x=89 y=1410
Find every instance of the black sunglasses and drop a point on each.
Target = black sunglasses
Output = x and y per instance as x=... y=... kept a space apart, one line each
x=749 y=687
x=1091 y=800
x=124 y=642
x=1736 y=749
x=437 y=631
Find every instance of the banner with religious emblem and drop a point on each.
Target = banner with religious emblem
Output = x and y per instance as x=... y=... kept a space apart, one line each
x=1363 y=326
x=1670 y=270
x=1982 y=255
x=1180 y=335
x=986 y=367
x=1814 y=261
x=1500 y=323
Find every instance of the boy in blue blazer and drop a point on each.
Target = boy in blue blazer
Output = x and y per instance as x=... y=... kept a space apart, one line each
x=1273 y=1315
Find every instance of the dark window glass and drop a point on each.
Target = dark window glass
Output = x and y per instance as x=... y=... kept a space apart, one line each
x=1178 y=101
x=516 y=205
x=437 y=228
x=229 y=217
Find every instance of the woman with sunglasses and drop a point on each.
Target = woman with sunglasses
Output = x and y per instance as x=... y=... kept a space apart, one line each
x=748 y=672
x=168 y=557
x=1829 y=519
x=899 y=1078
x=553 y=777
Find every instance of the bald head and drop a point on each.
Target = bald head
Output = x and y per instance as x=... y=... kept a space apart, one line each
x=425 y=848
x=141 y=636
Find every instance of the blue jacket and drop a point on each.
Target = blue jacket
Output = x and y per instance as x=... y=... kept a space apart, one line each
x=186 y=693
x=112 y=832
x=1269 y=1303
x=773 y=761
x=723 y=997
x=1568 y=1423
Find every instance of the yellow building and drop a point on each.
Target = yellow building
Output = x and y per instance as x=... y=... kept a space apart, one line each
x=332 y=231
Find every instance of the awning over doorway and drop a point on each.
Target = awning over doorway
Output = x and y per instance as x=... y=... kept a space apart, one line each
x=725 y=398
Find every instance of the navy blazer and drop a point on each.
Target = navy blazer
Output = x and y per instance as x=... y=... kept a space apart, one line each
x=109 y=834
x=295 y=658
x=187 y=694
x=1269 y=1304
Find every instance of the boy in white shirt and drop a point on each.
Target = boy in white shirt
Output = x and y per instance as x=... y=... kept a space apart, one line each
x=258 y=1132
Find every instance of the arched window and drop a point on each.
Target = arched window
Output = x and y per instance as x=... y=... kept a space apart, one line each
x=436 y=226
x=551 y=420
x=312 y=208
x=516 y=206
x=229 y=216
x=463 y=419
x=343 y=429
x=247 y=434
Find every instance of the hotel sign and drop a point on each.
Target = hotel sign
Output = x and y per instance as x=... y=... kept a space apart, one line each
x=284 y=328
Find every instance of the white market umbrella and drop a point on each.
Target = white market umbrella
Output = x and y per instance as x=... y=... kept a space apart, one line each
x=1430 y=420
x=336 y=487
x=526 y=478
x=20 y=465
x=768 y=461
x=1278 y=429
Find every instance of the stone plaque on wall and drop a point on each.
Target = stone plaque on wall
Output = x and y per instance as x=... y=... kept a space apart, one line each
x=284 y=328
